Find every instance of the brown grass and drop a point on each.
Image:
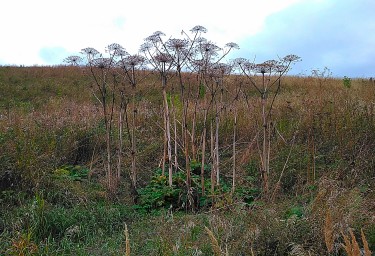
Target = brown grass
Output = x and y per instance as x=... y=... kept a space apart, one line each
x=214 y=243
x=351 y=245
x=328 y=231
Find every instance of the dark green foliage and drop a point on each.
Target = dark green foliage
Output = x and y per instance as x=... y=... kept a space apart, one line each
x=347 y=82
x=296 y=211
x=76 y=172
x=158 y=194
x=370 y=235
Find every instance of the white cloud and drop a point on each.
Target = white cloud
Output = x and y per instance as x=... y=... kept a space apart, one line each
x=29 y=26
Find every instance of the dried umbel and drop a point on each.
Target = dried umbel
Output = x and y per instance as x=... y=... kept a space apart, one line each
x=146 y=47
x=232 y=45
x=176 y=44
x=101 y=63
x=201 y=40
x=155 y=37
x=90 y=52
x=268 y=66
x=209 y=49
x=198 y=29
x=163 y=58
x=291 y=58
x=116 y=50
x=219 y=70
x=132 y=61
x=73 y=60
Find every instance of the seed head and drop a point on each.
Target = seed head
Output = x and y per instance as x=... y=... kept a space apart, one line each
x=163 y=58
x=176 y=44
x=201 y=40
x=73 y=60
x=145 y=47
x=90 y=52
x=116 y=50
x=102 y=63
x=209 y=48
x=291 y=58
x=281 y=68
x=220 y=70
x=198 y=29
x=155 y=37
x=232 y=45
x=132 y=61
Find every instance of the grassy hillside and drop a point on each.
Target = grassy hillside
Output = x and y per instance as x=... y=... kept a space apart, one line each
x=54 y=199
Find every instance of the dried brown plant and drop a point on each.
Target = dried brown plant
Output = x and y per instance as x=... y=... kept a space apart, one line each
x=214 y=243
x=328 y=231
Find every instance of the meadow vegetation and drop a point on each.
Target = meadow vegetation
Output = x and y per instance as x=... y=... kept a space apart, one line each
x=167 y=161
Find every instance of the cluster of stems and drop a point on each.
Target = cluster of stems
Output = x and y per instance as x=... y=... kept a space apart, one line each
x=177 y=61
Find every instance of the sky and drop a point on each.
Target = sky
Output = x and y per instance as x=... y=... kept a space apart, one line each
x=337 y=34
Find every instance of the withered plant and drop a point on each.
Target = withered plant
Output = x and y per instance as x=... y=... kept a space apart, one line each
x=155 y=51
x=104 y=88
x=211 y=73
x=132 y=69
x=266 y=79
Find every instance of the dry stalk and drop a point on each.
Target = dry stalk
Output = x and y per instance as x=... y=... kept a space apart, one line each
x=351 y=246
x=127 y=241
x=214 y=242
x=348 y=245
x=355 y=247
x=328 y=231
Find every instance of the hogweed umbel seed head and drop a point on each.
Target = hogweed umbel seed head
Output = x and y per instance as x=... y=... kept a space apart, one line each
x=176 y=44
x=145 y=47
x=73 y=60
x=132 y=61
x=291 y=58
x=102 y=63
x=116 y=50
x=232 y=45
x=163 y=58
x=198 y=29
x=90 y=52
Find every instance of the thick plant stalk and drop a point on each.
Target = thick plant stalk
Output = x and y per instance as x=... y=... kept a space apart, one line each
x=265 y=146
x=121 y=124
x=203 y=150
x=234 y=152
x=213 y=157
x=217 y=121
x=187 y=160
x=167 y=129
x=133 y=144
x=175 y=137
x=164 y=146
x=193 y=148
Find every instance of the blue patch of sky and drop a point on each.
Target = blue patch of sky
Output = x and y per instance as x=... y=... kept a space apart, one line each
x=53 y=55
x=338 y=35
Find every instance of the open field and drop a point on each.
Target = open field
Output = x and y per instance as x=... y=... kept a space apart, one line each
x=54 y=193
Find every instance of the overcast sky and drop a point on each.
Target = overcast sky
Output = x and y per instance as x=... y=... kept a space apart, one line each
x=338 y=34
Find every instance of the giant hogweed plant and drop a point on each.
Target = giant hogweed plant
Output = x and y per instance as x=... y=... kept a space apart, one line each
x=175 y=58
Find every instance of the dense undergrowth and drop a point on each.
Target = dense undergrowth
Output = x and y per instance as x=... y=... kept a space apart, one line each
x=53 y=199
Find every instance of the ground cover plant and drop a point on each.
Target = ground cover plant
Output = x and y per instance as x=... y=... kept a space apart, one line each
x=173 y=151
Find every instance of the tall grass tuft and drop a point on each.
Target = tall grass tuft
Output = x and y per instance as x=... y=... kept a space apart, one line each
x=328 y=231
x=350 y=245
x=214 y=242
